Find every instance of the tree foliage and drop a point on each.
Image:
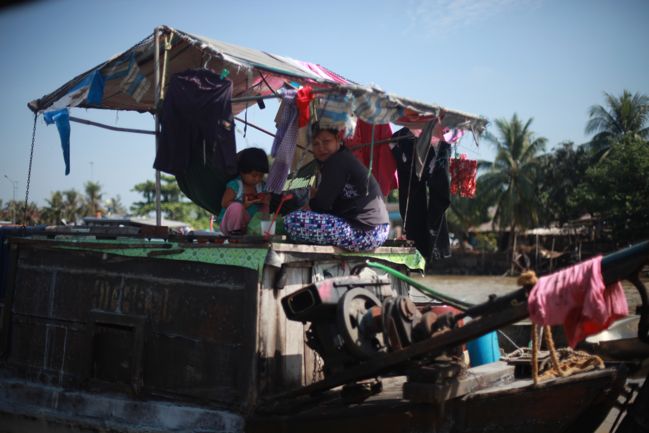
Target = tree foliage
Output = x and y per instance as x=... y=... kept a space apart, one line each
x=617 y=190
x=511 y=180
x=561 y=173
x=173 y=203
x=621 y=117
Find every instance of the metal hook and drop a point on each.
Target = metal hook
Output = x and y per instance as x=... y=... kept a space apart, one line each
x=207 y=60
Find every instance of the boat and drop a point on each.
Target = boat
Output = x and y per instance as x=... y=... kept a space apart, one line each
x=146 y=329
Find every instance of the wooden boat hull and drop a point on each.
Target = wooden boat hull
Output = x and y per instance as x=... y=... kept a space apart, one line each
x=123 y=337
x=574 y=404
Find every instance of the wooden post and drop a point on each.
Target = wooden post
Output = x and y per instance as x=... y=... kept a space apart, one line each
x=511 y=271
x=536 y=258
x=552 y=253
x=156 y=35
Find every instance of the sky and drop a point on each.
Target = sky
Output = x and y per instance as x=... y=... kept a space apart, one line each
x=549 y=60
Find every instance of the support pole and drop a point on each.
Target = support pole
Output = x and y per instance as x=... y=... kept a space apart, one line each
x=156 y=35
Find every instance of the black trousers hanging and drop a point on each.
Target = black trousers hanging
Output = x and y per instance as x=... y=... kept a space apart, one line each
x=423 y=202
x=439 y=199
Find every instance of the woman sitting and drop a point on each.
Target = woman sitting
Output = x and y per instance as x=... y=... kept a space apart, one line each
x=347 y=208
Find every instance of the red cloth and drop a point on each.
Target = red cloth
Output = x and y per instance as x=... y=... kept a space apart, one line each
x=463 y=176
x=384 y=167
x=302 y=101
x=577 y=298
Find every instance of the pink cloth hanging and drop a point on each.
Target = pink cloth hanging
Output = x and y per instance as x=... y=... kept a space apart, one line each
x=463 y=176
x=577 y=298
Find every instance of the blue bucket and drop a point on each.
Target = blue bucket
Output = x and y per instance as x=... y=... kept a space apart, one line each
x=484 y=350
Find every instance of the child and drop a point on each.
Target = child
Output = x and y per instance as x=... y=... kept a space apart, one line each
x=243 y=196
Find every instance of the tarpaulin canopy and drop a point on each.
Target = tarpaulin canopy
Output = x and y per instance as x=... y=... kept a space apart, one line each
x=126 y=81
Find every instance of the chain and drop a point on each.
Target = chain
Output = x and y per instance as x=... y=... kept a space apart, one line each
x=29 y=172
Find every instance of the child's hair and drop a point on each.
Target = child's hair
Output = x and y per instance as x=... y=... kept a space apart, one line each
x=252 y=159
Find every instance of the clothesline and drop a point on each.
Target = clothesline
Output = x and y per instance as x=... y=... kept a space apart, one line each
x=252 y=125
x=112 y=128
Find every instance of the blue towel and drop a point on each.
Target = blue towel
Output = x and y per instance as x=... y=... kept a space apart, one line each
x=62 y=120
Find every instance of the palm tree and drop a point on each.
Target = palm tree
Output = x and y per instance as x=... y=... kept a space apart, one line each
x=114 y=206
x=92 y=200
x=31 y=213
x=510 y=181
x=73 y=206
x=53 y=212
x=623 y=116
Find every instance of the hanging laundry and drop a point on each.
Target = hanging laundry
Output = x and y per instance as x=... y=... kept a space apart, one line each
x=453 y=135
x=377 y=108
x=463 y=176
x=197 y=123
x=383 y=164
x=439 y=199
x=431 y=133
x=423 y=202
x=133 y=83
x=335 y=112
x=577 y=298
x=285 y=141
x=62 y=120
x=303 y=103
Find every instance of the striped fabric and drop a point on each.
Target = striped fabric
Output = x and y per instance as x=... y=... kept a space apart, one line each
x=335 y=112
x=133 y=82
x=376 y=109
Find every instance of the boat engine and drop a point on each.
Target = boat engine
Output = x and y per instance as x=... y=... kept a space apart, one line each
x=355 y=318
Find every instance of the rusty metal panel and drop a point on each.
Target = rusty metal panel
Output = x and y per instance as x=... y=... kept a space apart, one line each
x=202 y=369
x=33 y=297
x=37 y=351
x=152 y=325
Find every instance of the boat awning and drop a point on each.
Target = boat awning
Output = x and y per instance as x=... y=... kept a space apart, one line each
x=126 y=81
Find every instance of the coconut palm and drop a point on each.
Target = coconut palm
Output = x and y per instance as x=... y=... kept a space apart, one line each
x=31 y=213
x=53 y=212
x=114 y=206
x=622 y=116
x=92 y=200
x=510 y=181
x=73 y=206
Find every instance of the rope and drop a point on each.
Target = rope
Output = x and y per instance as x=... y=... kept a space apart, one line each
x=535 y=355
x=165 y=62
x=549 y=341
x=565 y=361
x=29 y=171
